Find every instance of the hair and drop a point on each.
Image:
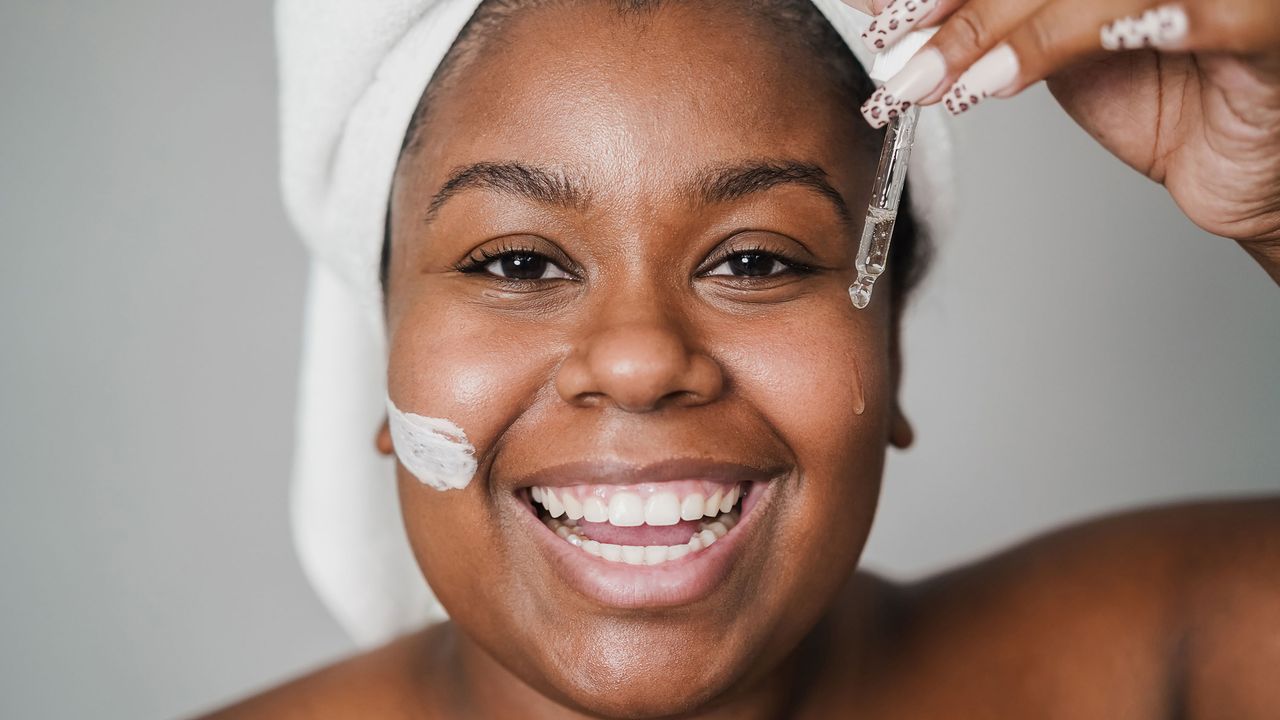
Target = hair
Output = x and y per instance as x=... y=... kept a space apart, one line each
x=797 y=21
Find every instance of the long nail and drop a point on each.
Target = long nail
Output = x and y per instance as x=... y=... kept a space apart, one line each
x=1163 y=27
x=919 y=77
x=993 y=72
x=896 y=20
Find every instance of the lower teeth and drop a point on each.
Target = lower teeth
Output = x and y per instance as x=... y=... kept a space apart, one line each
x=710 y=532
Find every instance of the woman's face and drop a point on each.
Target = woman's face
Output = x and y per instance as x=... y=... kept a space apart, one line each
x=633 y=292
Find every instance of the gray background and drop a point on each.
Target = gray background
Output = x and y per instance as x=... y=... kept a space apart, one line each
x=1080 y=347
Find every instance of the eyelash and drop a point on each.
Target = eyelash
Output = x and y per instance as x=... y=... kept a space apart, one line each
x=480 y=259
x=473 y=264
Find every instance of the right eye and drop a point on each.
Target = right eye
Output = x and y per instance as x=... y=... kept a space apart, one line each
x=523 y=265
x=751 y=264
x=517 y=264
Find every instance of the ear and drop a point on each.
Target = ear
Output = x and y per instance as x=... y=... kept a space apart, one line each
x=383 y=440
x=901 y=434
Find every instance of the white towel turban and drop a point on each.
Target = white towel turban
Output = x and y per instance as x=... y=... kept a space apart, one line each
x=351 y=75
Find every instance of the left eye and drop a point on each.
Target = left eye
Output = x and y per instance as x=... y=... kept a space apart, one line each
x=524 y=266
x=750 y=264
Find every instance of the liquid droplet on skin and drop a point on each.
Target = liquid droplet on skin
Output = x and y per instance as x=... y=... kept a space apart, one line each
x=860 y=404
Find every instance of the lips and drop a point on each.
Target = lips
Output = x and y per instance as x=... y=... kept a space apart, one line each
x=653 y=536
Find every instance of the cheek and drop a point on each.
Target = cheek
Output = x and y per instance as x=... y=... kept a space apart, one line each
x=823 y=385
x=479 y=375
x=820 y=379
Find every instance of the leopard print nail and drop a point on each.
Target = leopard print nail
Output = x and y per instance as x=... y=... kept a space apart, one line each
x=882 y=108
x=1162 y=27
x=896 y=20
x=960 y=98
x=992 y=74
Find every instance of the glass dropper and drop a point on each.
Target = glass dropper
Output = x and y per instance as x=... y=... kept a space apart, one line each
x=891 y=173
x=882 y=211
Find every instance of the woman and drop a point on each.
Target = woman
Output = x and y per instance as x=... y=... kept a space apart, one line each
x=641 y=428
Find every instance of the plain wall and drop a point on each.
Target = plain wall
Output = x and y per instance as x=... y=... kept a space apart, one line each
x=1079 y=348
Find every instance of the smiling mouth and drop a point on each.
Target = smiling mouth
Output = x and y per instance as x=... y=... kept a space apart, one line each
x=644 y=524
x=646 y=537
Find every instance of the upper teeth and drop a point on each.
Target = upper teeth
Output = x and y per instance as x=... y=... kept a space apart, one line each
x=638 y=505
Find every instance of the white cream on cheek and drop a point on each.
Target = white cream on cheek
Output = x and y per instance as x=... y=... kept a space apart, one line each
x=434 y=450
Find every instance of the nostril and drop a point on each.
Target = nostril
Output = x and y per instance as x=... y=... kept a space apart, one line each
x=681 y=398
x=684 y=398
x=704 y=381
x=645 y=404
x=591 y=399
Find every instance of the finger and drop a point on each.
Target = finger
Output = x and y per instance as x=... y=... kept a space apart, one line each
x=895 y=18
x=1057 y=34
x=974 y=29
x=1165 y=26
x=967 y=31
x=1221 y=25
x=1064 y=32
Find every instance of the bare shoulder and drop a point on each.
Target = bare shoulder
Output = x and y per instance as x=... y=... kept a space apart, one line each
x=1172 y=611
x=1179 y=553
x=387 y=682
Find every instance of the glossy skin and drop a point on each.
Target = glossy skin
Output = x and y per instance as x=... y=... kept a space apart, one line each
x=646 y=353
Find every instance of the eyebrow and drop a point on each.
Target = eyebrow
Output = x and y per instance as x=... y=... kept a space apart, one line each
x=737 y=181
x=718 y=184
x=548 y=187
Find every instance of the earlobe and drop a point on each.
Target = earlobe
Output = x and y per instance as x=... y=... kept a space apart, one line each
x=383 y=439
x=901 y=434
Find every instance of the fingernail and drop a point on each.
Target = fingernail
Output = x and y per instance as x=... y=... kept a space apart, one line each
x=1163 y=27
x=896 y=20
x=993 y=72
x=919 y=77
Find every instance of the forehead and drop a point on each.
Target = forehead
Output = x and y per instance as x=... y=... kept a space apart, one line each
x=641 y=101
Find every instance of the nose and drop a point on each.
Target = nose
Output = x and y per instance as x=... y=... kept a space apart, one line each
x=639 y=366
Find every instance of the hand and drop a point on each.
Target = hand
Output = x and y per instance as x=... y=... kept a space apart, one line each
x=1186 y=93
